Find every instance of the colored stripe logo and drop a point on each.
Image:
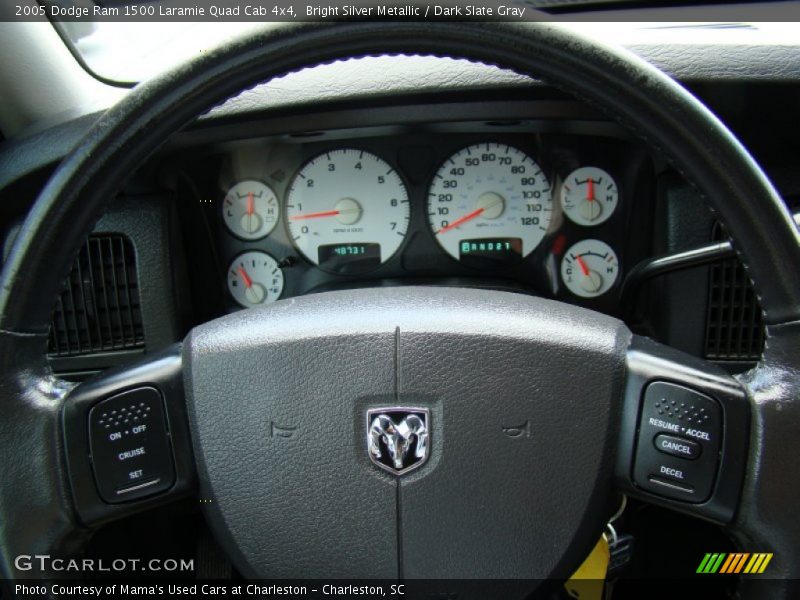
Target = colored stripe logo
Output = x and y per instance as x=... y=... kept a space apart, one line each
x=736 y=562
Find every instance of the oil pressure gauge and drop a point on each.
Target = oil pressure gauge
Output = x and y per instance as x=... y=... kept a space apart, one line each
x=589 y=196
x=589 y=268
x=250 y=210
x=254 y=278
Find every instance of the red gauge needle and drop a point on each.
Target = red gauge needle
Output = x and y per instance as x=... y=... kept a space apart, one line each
x=468 y=217
x=251 y=204
x=590 y=189
x=248 y=283
x=315 y=215
x=582 y=264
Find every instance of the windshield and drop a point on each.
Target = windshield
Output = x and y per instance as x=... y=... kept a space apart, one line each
x=130 y=50
x=135 y=51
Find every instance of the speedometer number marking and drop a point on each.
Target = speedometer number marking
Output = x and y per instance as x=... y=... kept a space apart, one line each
x=490 y=196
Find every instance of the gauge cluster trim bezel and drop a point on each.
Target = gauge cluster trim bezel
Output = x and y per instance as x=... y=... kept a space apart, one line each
x=540 y=122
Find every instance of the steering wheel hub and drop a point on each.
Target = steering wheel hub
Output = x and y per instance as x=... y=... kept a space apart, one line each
x=513 y=400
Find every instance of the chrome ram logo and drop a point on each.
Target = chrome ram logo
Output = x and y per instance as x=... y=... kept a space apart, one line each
x=398 y=438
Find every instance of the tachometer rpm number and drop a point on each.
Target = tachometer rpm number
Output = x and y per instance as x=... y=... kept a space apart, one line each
x=347 y=210
x=489 y=201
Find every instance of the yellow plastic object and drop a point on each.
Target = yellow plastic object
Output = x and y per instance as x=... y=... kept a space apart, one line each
x=587 y=581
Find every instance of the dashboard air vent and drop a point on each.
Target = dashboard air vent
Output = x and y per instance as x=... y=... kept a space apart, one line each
x=99 y=310
x=734 y=323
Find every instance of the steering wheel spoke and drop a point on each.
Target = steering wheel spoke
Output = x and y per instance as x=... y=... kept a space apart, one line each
x=126 y=440
x=683 y=432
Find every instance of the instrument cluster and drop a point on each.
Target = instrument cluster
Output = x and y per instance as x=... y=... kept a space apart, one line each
x=542 y=214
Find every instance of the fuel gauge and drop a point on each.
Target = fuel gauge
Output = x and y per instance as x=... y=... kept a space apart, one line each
x=250 y=210
x=254 y=278
x=589 y=268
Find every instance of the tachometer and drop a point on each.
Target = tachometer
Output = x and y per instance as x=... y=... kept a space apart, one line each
x=347 y=210
x=489 y=201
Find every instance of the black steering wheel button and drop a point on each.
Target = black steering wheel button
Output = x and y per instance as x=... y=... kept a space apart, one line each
x=677 y=446
x=687 y=426
x=130 y=448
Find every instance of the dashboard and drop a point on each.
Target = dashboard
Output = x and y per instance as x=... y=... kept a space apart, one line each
x=558 y=209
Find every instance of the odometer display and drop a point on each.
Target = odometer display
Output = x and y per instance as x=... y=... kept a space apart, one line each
x=491 y=251
x=344 y=258
x=345 y=201
x=489 y=191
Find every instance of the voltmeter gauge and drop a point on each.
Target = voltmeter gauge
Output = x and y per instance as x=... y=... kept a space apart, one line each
x=589 y=196
x=254 y=278
x=589 y=268
x=250 y=210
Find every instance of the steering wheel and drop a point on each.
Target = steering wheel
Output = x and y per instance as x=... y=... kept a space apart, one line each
x=535 y=413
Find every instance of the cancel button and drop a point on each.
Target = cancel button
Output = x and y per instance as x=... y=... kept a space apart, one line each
x=669 y=444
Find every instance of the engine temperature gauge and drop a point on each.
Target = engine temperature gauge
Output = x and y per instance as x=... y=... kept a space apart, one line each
x=589 y=268
x=250 y=210
x=589 y=196
x=254 y=278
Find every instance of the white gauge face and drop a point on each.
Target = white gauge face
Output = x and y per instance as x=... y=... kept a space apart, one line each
x=489 y=200
x=250 y=210
x=589 y=196
x=589 y=268
x=254 y=278
x=347 y=210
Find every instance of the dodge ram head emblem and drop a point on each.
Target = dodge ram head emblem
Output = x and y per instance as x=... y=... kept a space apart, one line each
x=397 y=438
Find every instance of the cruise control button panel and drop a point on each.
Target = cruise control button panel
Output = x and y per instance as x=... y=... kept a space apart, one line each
x=130 y=446
x=678 y=443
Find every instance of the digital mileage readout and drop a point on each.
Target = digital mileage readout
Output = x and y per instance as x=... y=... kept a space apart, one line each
x=349 y=258
x=489 y=251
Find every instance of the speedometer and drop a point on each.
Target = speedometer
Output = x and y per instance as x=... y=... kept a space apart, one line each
x=489 y=202
x=347 y=210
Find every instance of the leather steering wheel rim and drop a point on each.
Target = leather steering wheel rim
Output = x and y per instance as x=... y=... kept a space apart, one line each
x=642 y=98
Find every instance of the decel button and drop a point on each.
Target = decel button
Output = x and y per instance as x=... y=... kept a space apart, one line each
x=676 y=446
x=130 y=446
